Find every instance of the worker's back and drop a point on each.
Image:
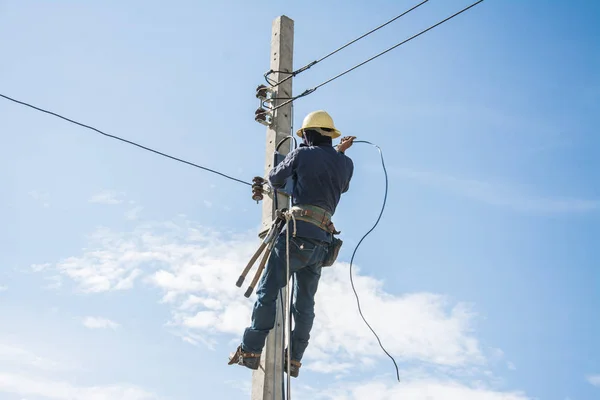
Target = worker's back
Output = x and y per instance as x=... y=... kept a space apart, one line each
x=321 y=175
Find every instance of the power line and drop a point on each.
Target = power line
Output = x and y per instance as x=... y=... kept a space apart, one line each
x=370 y=32
x=309 y=91
x=125 y=140
x=309 y=65
x=385 y=195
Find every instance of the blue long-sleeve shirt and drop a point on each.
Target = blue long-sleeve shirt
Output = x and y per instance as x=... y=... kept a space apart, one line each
x=320 y=175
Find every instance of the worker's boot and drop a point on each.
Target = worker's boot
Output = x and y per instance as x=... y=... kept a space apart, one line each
x=294 y=366
x=249 y=360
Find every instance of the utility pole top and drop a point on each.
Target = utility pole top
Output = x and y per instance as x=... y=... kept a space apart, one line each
x=267 y=380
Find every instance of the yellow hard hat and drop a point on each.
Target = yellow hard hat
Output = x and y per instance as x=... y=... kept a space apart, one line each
x=321 y=121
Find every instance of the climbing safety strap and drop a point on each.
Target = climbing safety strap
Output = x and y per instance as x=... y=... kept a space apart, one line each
x=288 y=215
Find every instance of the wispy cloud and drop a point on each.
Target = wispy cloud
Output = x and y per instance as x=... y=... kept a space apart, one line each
x=414 y=389
x=196 y=270
x=107 y=197
x=3 y=288
x=593 y=379
x=13 y=355
x=99 y=323
x=107 y=264
x=133 y=213
x=28 y=375
x=55 y=282
x=40 y=267
x=517 y=198
x=25 y=385
x=243 y=386
x=42 y=197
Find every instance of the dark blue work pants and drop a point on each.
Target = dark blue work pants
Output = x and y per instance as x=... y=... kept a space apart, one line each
x=306 y=259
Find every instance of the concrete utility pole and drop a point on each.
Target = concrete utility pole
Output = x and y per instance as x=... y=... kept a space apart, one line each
x=266 y=381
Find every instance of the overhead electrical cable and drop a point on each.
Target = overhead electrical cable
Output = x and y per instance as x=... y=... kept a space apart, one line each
x=385 y=195
x=309 y=91
x=309 y=65
x=126 y=141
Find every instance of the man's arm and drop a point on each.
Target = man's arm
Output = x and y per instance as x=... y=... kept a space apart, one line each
x=350 y=173
x=344 y=145
x=283 y=170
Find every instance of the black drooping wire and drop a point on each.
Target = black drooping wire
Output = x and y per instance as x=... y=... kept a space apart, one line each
x=272 y=82
x=282 y=141
x=126 y=141
x=309 y=65
x=309 y=91
x=353 y=254
x=356 y=248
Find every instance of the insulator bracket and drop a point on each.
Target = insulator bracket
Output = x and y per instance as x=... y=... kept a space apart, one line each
x=263 y=116
x=263 y=92
x=257 y=188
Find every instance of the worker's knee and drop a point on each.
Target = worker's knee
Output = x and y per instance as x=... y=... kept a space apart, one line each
x=266 y=294
x=306 y=314
x=305 y=303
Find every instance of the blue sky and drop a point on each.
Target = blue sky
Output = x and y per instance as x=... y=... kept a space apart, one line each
x=117 y=278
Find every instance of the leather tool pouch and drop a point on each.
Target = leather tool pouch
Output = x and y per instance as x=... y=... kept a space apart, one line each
x=333 y=251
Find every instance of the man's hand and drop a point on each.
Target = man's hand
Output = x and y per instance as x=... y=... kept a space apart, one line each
x=345 y=143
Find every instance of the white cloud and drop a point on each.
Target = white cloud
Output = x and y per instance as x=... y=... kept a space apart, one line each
x=430 y=329
x=24 y=385
x=498 y=194
x=417 y=389
x=109 y=264
x=196 y=268
x=11 y=354
x=244 y=386
x=133 y=213
x=106 y=197
x=42 y=197
x=55 y=282
x=40 y=267
x=3 y=288
x=26 y=374
x=99 y=323
x=593 y=379
x=328 y=367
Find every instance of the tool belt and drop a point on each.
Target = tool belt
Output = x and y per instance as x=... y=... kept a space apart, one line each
x=315 y=215
x=321 y=218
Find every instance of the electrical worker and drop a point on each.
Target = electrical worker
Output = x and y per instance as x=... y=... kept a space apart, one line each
x=320 y=174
